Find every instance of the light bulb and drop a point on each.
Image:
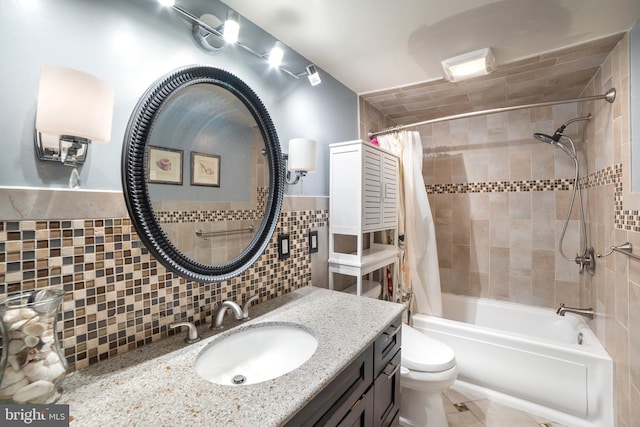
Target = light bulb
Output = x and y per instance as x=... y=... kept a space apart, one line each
x=231 y=27
x=276 y=55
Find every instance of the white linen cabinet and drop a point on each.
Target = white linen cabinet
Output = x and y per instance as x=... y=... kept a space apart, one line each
x=363 y=219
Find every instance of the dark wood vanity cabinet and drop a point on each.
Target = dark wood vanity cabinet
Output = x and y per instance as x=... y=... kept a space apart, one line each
x=386 y=361
x=366 y=393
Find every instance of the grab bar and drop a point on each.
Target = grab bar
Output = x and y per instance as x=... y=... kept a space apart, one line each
x=625 y=248
x=206 y=235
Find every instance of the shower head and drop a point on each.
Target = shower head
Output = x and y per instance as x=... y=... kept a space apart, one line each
x=559 y=133
x=546 y=138
x=554 y=140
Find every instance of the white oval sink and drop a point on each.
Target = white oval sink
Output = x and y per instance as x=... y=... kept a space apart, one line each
x=255 y=354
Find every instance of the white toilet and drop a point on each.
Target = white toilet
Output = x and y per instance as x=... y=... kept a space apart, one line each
x=428 y=368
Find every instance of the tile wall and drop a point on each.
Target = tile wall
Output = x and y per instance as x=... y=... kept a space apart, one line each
x=500 y=198
x=614 y=291
x=118 y=296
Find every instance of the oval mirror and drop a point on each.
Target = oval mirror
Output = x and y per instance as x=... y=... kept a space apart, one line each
x=201 y=173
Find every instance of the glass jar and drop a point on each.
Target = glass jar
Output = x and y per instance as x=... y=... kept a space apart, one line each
x=32 y=365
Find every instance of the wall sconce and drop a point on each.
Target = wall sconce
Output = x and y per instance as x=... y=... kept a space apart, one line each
x=74 y=109
x=211 y=35
x=472 y=64
x=301 y=159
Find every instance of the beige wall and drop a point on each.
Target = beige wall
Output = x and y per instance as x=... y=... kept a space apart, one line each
x=614 y=291
x=499 y=200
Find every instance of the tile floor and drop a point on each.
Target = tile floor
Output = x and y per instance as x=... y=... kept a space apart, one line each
x=466 y=411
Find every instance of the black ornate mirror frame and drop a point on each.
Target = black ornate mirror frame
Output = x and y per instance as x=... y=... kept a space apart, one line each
x=135 y=186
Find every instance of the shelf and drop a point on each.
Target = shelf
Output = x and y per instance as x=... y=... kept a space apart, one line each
x=375 y=256
x=363 y=190
x=370 y=288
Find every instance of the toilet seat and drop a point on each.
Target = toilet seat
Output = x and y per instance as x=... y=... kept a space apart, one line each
x=423 y=353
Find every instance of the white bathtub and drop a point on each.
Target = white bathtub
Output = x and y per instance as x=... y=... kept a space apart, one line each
x=527 y=357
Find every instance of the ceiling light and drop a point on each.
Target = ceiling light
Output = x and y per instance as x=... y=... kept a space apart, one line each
x=312 y=75
x=212 y=36
x=472 y=64
x=231 y=27
x=276 y=55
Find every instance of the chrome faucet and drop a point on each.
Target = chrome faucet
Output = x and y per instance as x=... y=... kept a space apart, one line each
x=247 y=304
x=192 y=335
x=586 y=312
x=237 y=311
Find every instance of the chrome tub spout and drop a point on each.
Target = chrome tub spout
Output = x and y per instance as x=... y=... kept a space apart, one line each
x=586 y=312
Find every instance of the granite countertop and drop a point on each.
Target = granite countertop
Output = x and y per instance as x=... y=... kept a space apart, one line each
x=158 y=385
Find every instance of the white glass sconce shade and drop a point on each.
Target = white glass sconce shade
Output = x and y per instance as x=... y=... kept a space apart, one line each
x=302 y=155
x=74 y=108
x=302 y=158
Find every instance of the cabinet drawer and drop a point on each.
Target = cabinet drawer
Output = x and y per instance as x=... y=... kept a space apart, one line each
x=360 y=414
x=387 y=394
x=386 y=346
x=335 y=401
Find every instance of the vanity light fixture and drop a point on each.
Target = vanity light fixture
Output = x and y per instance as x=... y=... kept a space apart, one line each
x=312 y=75
x=302 y=158
x=471 y=64
x=74 y=109
x=231 y=27
x=211 y=35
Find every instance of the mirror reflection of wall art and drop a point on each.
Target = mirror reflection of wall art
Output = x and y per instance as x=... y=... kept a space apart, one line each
x=164 y=166
x=205 y=169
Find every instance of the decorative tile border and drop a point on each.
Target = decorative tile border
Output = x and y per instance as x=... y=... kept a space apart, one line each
x=180 y=217
x=118 y=296
x=173 y=217
x=612 y=175
x=501 y=186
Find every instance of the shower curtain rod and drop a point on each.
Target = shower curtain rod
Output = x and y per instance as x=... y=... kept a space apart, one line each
x=609 y=96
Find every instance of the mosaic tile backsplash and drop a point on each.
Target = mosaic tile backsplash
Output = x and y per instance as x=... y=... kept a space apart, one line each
x=118 y=296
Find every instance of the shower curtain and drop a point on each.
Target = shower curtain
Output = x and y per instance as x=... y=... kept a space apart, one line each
x=419 y=264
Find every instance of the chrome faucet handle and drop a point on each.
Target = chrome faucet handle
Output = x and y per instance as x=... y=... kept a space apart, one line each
x=192 y=334
x=247 y=304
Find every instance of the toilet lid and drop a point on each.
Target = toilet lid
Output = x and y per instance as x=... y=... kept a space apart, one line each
x=423 y=353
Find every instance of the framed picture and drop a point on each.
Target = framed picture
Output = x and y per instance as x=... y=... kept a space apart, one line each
x=205 y=169
x=164 y=165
